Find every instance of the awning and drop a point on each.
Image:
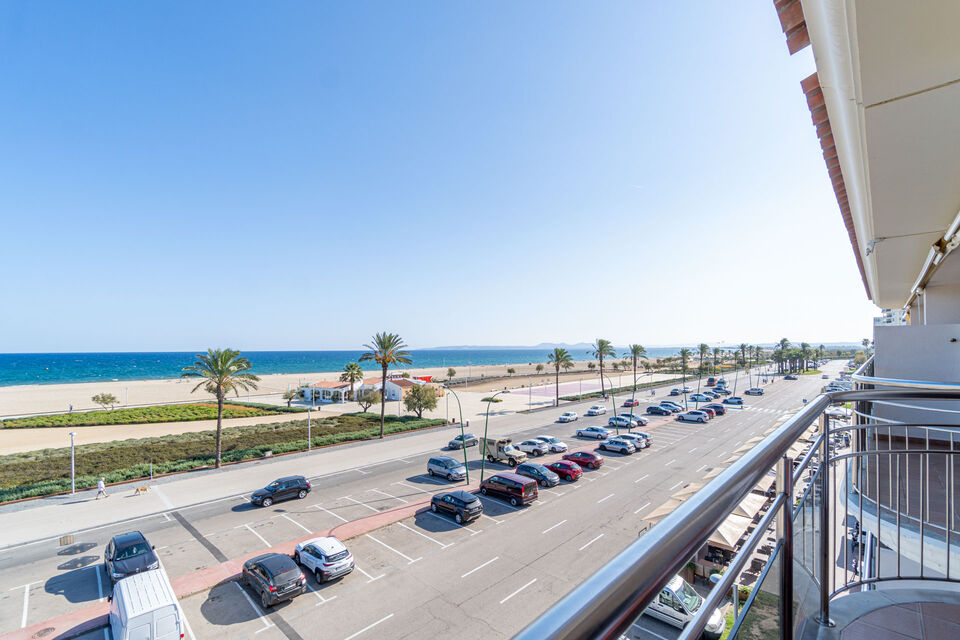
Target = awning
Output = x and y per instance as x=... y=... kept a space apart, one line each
x=663 y=510
x=750 y=506
x=729 y=532
x=688 y=490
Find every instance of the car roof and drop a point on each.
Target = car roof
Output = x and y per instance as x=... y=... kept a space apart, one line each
x=275 y=563
x=288 y=478
x=131 y=537
x=516 y=477
x=328 y=545
x=466 y=496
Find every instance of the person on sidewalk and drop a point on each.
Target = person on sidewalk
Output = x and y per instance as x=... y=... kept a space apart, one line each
x=101 y=488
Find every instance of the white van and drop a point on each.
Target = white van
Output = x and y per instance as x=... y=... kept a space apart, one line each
x=144 y=607
x=678 y=603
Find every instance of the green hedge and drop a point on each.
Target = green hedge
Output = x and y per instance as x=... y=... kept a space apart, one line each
x=143 y=415
x=37 y=473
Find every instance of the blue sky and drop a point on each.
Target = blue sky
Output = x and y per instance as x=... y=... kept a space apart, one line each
x=300 y=175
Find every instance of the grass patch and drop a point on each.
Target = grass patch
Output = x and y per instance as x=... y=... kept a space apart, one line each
x=38 y=473
x=491 y=399
x=811 y=372
x=144 y=415
x=762 y=621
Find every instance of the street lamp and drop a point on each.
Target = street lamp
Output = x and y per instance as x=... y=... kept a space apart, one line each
x=614 y=399
x=463 y=437
x=308 y=431
x=73 y=468
x=486 y=422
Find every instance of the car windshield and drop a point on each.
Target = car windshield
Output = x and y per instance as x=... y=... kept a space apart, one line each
x=552 y=440
x=510 y=448
x=134 y=550
x=449 y=464
x=691 y=599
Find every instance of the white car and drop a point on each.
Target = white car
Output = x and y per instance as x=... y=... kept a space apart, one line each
x=596 y=410
x=568 y=416
x=554 y=444
x=622 y=422
x=635 y=439
x=640 y=420
x=327 y=558
x=753 y=391
x=699 y=397
x=693 y=416
x=534 y=447
x=600 y=433
x=678 y=603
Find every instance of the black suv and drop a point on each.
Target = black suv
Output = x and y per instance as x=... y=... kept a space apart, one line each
x=275 y=577
x=127 y=554
x=282 y=489
x=464 y=506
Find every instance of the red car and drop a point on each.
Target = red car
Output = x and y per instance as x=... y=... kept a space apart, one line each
x=710 y=412
x=585 y=459
x=567 y=470
x=632 y=403
x=718 y=409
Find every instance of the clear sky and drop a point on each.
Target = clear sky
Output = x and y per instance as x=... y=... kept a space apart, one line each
x=300 y=175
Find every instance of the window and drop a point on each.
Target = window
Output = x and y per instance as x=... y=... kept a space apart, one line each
x=167 y=626
x=134 y=550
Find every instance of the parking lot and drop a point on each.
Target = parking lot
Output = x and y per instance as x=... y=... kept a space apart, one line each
x=424 y=573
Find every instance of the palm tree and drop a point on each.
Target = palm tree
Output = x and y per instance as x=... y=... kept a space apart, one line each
x=602 y=348
x=223 y=371
x=352 y=373
x=385 y=349
x=560 y=358
x=820 y=351
x=704 y=351
x=804 y=355
x=684 y=360
x=635 y=352
x=743 y=353
x=717 y=352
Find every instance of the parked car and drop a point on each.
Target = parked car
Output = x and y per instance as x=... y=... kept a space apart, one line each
x=672 y=406
x=555 y=445
x=534 y=447
x=718 y=409
x=621 y=422
x=446 y=467
x=707 y=410
x=678 y=603
x=753 y=391
x=637 y=440
x=144 y=602
x=711 y=394
x=674 y=392
x=275 y=577
x=737 y=400
x=327 y=558
x=280 y=490
x=631 y=402
x=585 y=459
x=596 y=410
x=711 y=381
x=127 y=554
x=722 y=391
x=693 y=416
x=620 y=446
x=825 y=376
x=463 y=505
x=656 y=410
x=791 y=376
x=544 y=477
x=640 y=420
x=515 y=489
x=687 y=390
x=647 y=439
x=699 y=397
x=568 y=416
x=599 y=433
x=465 y=440
x=569 y=471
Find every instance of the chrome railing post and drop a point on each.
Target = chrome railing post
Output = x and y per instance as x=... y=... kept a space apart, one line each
x=785 y=527
x=825 y=578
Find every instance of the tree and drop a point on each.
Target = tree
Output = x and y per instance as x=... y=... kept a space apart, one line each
x=635 y=352
x=559 y=358
x=222 y=371
x=616 y=366
x=600 y=349
x=539 y=368
x=743 y=353
x=105 y=400
x=386 y=349
x=717 y=353
x=804 y=355
x=352 y=373
x=451 y=372
x=820 y=351
x=420 y=398
x=368 y=398
x=684 y=362
x=591 y=366
x=511 y=371
x=866 y=343
x=290 y=395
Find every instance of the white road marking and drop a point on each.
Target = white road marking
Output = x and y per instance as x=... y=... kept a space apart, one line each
x=641 y=508
x=362 y=504
x=266 y=623
x=423 y=535
x=502 y=504
x=183 y=616
x=384 y=493
x=283 y=515
x=590 y=543
x=480 y=567
x=262 y=539
x=692 y=450
x=319 y=596
x=414 y=488
x=368 y=627
x=676 y=485
x=701 y=468
x=358 y=470
x=402 y=555
x=370 y=578
x=167 y=518
x=553 y=527
x=518 y=591
x=671 y=462
x=644 y=477
x=26 y=602
x=483 y=515
x=316 y=506
x=96 y=569
x=607 y=498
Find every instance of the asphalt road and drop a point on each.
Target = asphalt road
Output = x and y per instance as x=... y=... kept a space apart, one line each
x=422 y=577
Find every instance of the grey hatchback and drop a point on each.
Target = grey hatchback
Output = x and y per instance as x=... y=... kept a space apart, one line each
x=543 y=476
x=446 y=467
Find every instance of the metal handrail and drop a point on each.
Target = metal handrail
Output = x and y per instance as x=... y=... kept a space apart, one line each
x=910 y=384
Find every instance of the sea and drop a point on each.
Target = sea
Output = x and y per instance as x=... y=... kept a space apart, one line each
x=59 y=368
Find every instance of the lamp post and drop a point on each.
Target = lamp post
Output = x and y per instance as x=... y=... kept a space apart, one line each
x=486 y=422
x=308 y=431
x=614 y=399
x=463 y=437
x=73 y=468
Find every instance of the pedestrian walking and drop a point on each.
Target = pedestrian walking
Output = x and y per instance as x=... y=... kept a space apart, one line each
x=71 y=408
x=101 y=488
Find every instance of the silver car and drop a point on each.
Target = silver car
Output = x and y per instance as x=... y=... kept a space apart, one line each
x=446 y=467
x=618 y=445
x=555 y=444
x=534 y=447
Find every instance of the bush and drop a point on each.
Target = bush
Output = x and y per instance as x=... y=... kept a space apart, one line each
x=491 y=399
x=145 y=415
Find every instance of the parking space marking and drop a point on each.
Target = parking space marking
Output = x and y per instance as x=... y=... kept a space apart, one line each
x=603 y=499
x=370 y=578
x=497 y=502
x=96 y=570
x=645 y=630
x=553 y=527
x=483 y=515
x=362 y=504
x=359 y=470
x=671 y=462
x=342 y=519
x=319 y=596
x=701 y=468
x=368 y=627
x=266 y=623
x=423 y=535
x=643 y=477
x=518 y=591
x=399 y=553
x=384 y=493
x=414 y=488
x=167 y=517
x=676 y=485
x=481 y=566
x=262 y=539
x=430 y=479
x=590 y=543
x=692 y=450
x=283 y=515
x=26 y=601
x=641 y=508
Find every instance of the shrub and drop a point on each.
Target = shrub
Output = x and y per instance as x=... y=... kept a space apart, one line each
x=144 y=415
x=491 y=399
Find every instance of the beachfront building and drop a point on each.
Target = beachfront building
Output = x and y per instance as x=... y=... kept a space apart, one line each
x=325 y=391
x=397 y=387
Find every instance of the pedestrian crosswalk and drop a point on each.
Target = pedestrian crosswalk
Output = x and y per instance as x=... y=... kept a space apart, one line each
x=765 y=410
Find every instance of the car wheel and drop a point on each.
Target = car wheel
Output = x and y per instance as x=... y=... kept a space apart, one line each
x=430 y=472
x=302 y=494
x=513 y=501
x=483 y=490
x=267 y=502
x=450 y=477
x=433 y=508
x=538 y=453
x=296 y=557
x=594 y=466
x=318 y=575
x=490 y=459
x=263 y=600
x=543 y=483
x=703 y=420
x=458 y=518
x=512 y=462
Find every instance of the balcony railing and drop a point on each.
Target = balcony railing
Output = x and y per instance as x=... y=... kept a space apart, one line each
x=827 y=518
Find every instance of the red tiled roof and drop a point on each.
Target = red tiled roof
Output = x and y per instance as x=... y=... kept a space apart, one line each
x=402 y=382
x=372 y=380
x=327 y=384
